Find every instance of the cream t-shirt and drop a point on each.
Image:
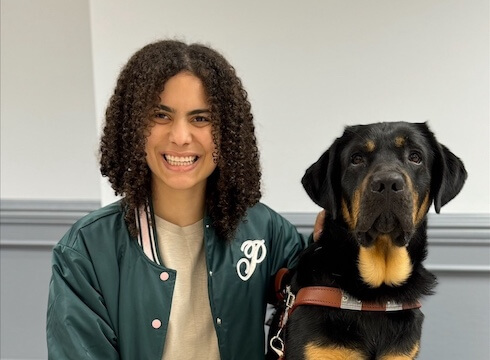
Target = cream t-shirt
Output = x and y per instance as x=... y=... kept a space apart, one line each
x=191 y=333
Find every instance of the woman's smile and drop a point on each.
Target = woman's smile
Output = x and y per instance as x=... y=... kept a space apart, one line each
x=180 y=160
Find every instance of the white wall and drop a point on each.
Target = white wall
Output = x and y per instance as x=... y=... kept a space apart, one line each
x=311 y=67
x=48 y=127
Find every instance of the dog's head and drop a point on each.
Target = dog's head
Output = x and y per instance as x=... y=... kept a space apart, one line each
x=382 y=178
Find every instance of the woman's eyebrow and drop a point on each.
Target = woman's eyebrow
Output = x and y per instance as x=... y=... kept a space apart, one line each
x=198 y=111
x=165 y=108
x=193 y=112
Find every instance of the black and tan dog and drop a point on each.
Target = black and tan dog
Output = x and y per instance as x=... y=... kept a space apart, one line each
x=376 y=183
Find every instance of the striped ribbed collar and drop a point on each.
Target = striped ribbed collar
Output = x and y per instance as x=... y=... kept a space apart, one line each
x=147 y=237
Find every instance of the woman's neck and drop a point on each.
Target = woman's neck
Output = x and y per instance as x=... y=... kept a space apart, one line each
x=181 y=208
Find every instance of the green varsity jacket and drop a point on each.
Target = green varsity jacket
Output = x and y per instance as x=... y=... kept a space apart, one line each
x=110 y=295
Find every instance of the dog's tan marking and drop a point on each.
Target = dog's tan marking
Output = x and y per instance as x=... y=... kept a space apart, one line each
x=351 y=216
x=372 y=263
x=399 y=141
x=384 y=263
x=415 y=196
x=370 y=146
x=419 y=214
x=316 y=352
x=410 y=356
x=398 y=266
x=418 y=211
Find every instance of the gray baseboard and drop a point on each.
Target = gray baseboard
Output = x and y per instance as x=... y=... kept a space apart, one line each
x=459 y=254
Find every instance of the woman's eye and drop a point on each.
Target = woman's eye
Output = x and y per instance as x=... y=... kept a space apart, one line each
x=415 y=157
x=160 y=117
x=201 y=120
x=356 y=159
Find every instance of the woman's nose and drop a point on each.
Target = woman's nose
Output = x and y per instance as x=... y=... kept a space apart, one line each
x=180 y=132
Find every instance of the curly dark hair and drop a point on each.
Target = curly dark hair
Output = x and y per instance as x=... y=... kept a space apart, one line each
x=234 y=186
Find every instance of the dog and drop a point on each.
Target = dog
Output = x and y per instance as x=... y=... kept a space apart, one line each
x=376 y=183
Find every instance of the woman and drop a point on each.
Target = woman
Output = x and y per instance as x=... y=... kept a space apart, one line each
x=181 y=267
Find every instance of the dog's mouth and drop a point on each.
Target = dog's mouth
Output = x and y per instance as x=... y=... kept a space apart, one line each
x=387 y=224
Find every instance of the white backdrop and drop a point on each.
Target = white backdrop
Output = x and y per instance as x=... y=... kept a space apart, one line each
x=48 y=129
x=311 y=67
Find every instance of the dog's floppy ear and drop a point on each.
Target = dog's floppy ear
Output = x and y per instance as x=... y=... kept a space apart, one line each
x=319 y=180
x=448 y=174
x=451 y=174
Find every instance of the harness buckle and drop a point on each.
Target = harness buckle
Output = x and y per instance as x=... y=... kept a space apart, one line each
x=276 y=343
x=291 y=297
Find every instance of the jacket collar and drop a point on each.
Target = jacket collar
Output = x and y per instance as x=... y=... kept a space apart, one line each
x=147 y=237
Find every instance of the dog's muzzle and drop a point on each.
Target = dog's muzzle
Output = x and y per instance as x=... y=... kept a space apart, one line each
x=386 y=209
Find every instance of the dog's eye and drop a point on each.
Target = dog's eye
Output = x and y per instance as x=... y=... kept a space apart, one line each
x=415 y=157
x=356 y=159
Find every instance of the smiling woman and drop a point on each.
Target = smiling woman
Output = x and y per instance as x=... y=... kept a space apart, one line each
x=139 y=106
x=180 y=150
x=161 y=274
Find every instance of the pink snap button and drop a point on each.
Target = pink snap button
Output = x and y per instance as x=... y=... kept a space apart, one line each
x=156 y=324
x=164 y=276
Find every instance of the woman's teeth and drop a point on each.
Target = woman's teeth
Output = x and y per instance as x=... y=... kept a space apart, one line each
x=180 y=160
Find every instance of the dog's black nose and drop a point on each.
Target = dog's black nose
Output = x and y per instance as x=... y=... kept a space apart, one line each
x=387 y=182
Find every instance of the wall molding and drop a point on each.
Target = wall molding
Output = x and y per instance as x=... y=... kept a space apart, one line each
x=44 y=211
x=441 y=227
x=458 y=243
x=41 y=223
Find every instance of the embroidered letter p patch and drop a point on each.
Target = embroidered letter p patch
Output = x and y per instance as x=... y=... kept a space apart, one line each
x=255 y=252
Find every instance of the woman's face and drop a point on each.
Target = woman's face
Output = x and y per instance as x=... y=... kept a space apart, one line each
x=180 y=146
